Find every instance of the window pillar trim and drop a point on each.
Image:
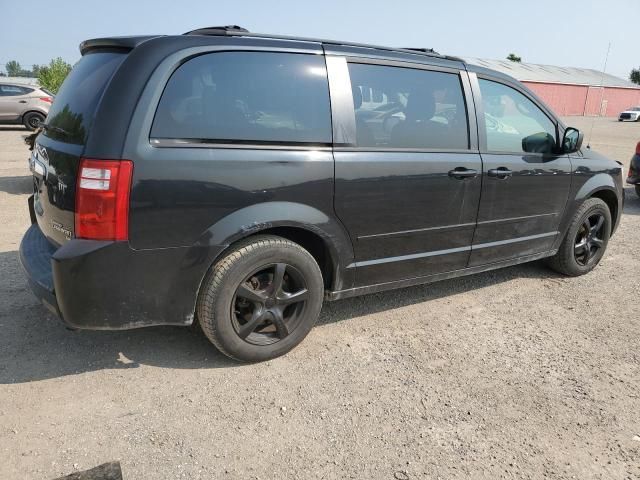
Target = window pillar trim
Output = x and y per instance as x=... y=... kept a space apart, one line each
x=480 y=122
x=343 y=116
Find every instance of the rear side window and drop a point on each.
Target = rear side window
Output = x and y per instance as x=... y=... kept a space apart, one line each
x=247 y=97
x=14 y=90
x=408 y=108
x=75 y=104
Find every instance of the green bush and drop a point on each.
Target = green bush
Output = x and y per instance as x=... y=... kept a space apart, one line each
x=51 y=76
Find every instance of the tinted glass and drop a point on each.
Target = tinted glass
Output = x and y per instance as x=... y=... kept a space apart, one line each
x=13 y=90
x=513 y=122
x=247 y=97
x=76 y=102
x=408 y=108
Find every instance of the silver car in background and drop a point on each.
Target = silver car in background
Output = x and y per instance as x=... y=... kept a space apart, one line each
x=24 y=104
x=632 y=114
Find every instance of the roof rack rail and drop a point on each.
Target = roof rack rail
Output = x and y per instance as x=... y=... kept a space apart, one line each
x=422 y=50
x=235 y=30
x=220 y=30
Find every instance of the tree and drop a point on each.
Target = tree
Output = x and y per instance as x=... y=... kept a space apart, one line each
x=514 y=58
x=634 y=76
x=13 y=68
x=51 y=76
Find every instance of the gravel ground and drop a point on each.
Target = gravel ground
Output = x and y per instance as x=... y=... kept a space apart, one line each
x=516 y=373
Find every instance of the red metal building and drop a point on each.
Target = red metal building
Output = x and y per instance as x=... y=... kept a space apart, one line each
x=571 y=91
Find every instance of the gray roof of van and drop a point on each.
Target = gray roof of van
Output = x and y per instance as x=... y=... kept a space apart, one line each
x=531 y=72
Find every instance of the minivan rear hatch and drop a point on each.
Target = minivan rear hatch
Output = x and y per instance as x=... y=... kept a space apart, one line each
x=56 y=155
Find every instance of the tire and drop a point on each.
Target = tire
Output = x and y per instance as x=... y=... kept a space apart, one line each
x=248 y=290
x=572 y=258
x=637 y=187
x=32 y=120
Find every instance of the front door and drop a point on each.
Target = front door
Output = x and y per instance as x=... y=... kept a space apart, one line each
x=525 y=183
x=408 y=191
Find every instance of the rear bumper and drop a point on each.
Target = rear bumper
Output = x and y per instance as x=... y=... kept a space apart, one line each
x=35 y=257
x=100 y=285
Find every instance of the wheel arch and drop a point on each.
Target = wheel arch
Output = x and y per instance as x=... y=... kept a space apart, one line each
x=32 y=110
x=600 y=186
x=611 y=199
x=312 y=243
x=321 y=235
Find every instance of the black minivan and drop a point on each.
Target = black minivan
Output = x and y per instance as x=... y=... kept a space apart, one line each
x=238 y=179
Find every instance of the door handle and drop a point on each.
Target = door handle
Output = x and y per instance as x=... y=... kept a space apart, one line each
x=22 y=101
x=501 y=172
x=461 y=173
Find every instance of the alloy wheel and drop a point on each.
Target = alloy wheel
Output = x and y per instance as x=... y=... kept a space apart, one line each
x=269 y=304
x=589 y=239
x=34 y=122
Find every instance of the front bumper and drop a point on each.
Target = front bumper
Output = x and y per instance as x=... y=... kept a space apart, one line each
x=633 y=177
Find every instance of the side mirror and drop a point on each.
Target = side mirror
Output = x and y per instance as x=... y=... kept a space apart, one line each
x=572 y=140
x=539 y=143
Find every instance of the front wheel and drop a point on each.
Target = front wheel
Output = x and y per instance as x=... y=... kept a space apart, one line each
x=261 y=299
x=586 y=239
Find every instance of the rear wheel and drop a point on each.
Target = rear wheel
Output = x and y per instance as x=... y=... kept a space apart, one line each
x=261 y=299
x=637 y=190
x=33 y=120
x=586 y=240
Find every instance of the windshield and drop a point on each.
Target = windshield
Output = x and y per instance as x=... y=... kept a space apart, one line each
x=75 y=104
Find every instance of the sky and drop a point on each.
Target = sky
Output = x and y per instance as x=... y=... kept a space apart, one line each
x=572 y=33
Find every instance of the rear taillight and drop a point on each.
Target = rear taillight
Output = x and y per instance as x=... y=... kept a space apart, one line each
x=638 y=149
x=47 y=99
x=102 y=199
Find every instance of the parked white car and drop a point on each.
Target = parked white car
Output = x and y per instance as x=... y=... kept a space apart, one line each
x=632 y=114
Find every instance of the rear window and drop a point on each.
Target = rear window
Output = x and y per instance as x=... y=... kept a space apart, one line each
x=247 y=97
x=75 y=104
